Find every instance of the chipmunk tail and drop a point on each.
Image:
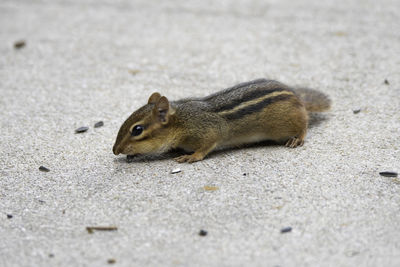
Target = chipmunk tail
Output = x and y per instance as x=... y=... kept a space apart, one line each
x=314 y=100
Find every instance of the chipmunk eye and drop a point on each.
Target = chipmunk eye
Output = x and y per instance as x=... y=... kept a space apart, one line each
x=137 y=130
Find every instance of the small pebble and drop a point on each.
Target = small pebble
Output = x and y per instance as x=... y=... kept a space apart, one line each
x=388 y=174
x=19 y=44
x=286 y=230
x=386 y=82
x=203 y=233
x=356 y=111
x=43 y=169
x=82 y=129
x=352 y=253
x=99 y=124
x=51 y=255
x=111 y=261
x=176 y=171
x=9 y=216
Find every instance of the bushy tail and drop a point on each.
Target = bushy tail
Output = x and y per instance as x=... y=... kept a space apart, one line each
x=314 y=100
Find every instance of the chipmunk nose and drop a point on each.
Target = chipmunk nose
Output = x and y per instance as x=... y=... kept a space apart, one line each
x=116 y=150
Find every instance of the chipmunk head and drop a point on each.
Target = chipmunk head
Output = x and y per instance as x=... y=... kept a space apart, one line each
x=146 y=131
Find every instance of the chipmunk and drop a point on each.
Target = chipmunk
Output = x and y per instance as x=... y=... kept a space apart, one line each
x=246 y=113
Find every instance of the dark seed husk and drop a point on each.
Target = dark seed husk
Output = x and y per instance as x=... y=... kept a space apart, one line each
x=99 y=124
x=82 y=129
x=111 y=261
x=19 y=44
x=356 y=111
x=388 y=174
x=386 y=81
x=9 y=216
x=43 y=169
x=203 y=232
x=286 y=229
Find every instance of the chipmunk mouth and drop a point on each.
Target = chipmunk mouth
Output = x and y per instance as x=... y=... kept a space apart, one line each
x=130 y=157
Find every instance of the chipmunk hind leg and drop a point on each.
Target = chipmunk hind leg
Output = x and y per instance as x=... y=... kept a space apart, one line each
x=298 y=125
x=287 y=124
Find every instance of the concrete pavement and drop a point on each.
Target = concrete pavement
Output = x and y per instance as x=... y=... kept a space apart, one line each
x=86 y=61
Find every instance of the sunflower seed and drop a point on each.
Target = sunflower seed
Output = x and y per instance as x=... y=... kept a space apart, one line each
x=99 y=124
x=286 y=230
x=82 y=129
x=43 y=169
x=176 y=171
x=19 y=44
x=388 y=174
x=202 y=232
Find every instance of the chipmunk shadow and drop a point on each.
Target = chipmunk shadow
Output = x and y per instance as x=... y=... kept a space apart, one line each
x=146 y=158
x=179 y=152
x=315 y=119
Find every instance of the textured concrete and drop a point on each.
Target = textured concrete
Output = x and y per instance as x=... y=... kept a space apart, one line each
x=86 y=61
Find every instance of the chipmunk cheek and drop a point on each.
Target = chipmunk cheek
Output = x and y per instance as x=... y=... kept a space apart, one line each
x=128 y=150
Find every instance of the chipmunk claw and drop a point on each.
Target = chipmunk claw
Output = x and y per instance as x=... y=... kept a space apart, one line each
x=189 y=158
x=294 y=142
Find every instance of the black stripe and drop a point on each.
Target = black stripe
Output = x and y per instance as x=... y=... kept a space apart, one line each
x=245 y=84
x=247 y=97
x=238 y=86
x=256 y=107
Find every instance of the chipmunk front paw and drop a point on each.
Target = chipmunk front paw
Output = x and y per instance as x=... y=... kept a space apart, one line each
x=189 y=158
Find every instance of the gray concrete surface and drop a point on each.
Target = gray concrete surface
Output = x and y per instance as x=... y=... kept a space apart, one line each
x=76 y=69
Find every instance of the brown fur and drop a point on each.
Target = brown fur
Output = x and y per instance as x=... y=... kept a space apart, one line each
x=246 y=113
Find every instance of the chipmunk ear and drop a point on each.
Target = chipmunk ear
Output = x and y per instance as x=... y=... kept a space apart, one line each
x=162 y=110
x=154 y=98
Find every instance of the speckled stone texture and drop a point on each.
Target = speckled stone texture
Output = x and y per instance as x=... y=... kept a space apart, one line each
x=86 y=61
